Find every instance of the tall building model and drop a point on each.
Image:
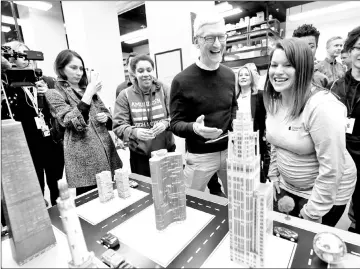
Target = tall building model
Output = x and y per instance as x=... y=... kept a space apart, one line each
x=168 y=187
x=249 y=200
x=122 y=183
x=25 y=213
x=81 y=257
x=105 y=186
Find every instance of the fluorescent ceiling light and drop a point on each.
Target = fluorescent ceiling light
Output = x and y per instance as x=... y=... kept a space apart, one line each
x=5 y=29
x=137 y=35
x=135 y=40
x=225 y=6
x=35 y=4
x=231 y=12
x=10 y=20
x=325 y=10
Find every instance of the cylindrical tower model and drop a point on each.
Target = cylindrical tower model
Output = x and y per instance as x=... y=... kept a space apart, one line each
x=80 y=255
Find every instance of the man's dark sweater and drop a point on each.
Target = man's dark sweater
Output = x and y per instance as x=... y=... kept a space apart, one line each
x=196 y=92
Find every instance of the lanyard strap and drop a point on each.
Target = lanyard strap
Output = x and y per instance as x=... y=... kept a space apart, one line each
x=33 y=98
x=148 y=114
x=352 y=104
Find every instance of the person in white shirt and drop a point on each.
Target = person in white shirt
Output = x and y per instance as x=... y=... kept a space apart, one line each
x=306 y=128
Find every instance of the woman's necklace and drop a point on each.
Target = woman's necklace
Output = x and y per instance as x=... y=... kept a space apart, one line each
x=245 y=95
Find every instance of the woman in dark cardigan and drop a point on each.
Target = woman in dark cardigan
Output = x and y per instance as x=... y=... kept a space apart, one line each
x=88 y=146
x=249 y=95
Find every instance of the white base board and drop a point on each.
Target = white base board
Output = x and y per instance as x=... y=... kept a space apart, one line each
x=95 y=212
x=220 y=258
x=140 y=233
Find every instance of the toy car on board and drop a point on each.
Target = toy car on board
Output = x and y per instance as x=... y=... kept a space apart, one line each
x=133 y=183
x=114 y=260
x=109 y=240
x=286 y=233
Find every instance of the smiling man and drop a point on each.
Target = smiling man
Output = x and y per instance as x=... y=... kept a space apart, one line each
x=203 y=104
x=330 y=67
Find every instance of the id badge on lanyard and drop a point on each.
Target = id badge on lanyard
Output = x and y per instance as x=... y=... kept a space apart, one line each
x=350 y=125
x=39 y=118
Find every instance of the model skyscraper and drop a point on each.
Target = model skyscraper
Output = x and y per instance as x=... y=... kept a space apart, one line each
x=81 y=257
x=105 y=186
x=249 y=200
x=28 y=221
x=168 y=187
x=122 y=183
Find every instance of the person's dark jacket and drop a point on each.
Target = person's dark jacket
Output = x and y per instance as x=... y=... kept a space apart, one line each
x=258 y=113
x=348 y=90
x=195 y=92
x=132 y=112
x=122 y=86
x=320 y=79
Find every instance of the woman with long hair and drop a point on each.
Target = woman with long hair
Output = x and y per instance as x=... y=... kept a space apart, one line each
x=306 y=128
x=88 y=146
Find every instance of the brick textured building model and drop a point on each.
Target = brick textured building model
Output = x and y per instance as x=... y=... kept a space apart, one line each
x=121 y=178
x=105 y=186
x=249 y=200
x=168 y=187
x=26 y=216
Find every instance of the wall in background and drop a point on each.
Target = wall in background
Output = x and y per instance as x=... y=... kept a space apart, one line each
x=169 y=28
x=329 y=25
x=143 y=49
x=93 y=31
x=44 y=31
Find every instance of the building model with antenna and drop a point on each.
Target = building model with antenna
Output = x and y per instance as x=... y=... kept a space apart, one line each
x=249 y=200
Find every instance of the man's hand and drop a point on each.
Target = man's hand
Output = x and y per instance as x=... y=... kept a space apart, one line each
x=119 y=144
x=144 y=134
x=158 y=128
x=303 y=215
x=41 y=86
x=206 y=132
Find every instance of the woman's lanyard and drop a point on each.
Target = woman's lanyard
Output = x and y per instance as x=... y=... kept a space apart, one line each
x=351 y=105
x=33 y=99
x=148 y=113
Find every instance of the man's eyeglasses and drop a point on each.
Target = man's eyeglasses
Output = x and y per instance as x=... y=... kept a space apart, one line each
x=210 y=39
x=356 y=48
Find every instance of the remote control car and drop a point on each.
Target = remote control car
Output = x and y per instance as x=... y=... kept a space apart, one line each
x=133 y=183
x=109 y=240
x=286 y=233
x=114 y=260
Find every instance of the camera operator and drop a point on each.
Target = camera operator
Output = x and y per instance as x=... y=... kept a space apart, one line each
x=28 y=105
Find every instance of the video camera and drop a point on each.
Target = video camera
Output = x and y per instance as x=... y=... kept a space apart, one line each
x=20 y=77
x=7 y=52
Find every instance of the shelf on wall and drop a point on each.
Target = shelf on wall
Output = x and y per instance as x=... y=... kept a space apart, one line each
x=247 y=50
x=252 y=34
x=265 y=22
x=237 y=37
x=260 y=54
x=261 y=62
x=254 y=25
